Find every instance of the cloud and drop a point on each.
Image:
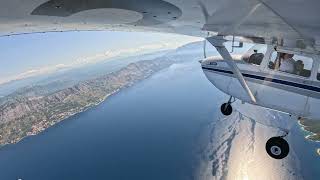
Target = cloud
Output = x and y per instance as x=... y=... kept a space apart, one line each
x=34 y=72
x=91 y=59
x=127 y=52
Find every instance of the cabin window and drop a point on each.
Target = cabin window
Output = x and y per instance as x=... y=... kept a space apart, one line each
x=291 y=63
x=318 y=74
x=255 y=54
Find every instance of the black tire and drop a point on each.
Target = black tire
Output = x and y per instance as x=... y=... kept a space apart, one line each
x=226 y=109
x=277 y=147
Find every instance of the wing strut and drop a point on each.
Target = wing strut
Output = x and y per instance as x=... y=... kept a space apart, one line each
x=218 y=43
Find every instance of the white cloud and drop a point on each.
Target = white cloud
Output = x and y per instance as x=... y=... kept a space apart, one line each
x=98 y=57
x=34 y=72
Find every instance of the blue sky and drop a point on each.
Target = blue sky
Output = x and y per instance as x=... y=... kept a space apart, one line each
x=29 y=55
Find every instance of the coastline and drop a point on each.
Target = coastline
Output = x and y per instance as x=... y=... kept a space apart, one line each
x=40 y=114
x=85 y=108
x=70 y=114
x=309 y=134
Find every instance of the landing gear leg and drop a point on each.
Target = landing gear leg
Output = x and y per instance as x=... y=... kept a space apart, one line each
x=277 y=147
x=226 y=108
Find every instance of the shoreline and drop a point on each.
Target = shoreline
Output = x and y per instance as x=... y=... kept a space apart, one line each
x=44 y=125
x=85 y=108
x=42 y=121
x=309 y=133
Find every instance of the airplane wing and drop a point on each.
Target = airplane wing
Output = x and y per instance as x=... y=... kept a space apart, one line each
x=293 y=22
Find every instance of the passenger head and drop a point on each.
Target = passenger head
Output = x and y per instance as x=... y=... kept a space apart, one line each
x=299 y=66
x=287 y=56
x=299 y=62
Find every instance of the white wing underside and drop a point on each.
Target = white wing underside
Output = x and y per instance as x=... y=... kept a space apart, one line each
x=294 y=22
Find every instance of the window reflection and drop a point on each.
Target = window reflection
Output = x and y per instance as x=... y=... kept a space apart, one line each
x=255 y=55
x=291 y=63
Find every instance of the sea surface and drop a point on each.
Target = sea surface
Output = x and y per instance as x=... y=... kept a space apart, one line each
x=149 y=131
x=306 y=151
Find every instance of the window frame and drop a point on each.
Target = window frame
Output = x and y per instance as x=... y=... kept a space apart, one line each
x=317 y=70
x=313 y=74
x=255 y=46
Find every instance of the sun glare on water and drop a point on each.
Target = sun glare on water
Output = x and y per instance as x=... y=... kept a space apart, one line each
x=245 y=177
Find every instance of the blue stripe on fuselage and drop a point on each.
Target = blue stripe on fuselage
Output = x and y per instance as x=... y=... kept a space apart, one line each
x=288 y=83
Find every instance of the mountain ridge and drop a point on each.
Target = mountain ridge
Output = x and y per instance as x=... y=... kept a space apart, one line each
x=29 y=115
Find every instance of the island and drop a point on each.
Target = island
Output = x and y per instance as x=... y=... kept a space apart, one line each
x=318 y=151
x=22 y=114
x=312 y=126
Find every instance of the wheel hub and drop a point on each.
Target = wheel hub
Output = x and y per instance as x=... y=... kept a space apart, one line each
x=275 y=150
x=277 y=147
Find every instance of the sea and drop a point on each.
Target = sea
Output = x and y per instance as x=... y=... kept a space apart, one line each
x=150 y=131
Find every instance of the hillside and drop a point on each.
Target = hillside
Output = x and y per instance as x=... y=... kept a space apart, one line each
x=32 y=110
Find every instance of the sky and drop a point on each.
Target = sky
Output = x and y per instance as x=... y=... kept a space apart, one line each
x=30 y=55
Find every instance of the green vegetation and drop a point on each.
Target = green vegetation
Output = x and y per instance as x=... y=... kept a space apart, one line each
x=27 y=113
x=312 y=126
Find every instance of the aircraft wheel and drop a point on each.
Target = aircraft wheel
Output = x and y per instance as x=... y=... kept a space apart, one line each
x=277 y=147
x=226 y=109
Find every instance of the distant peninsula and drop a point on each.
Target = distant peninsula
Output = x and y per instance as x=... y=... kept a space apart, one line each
x=22 y=114
x=312 y=126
